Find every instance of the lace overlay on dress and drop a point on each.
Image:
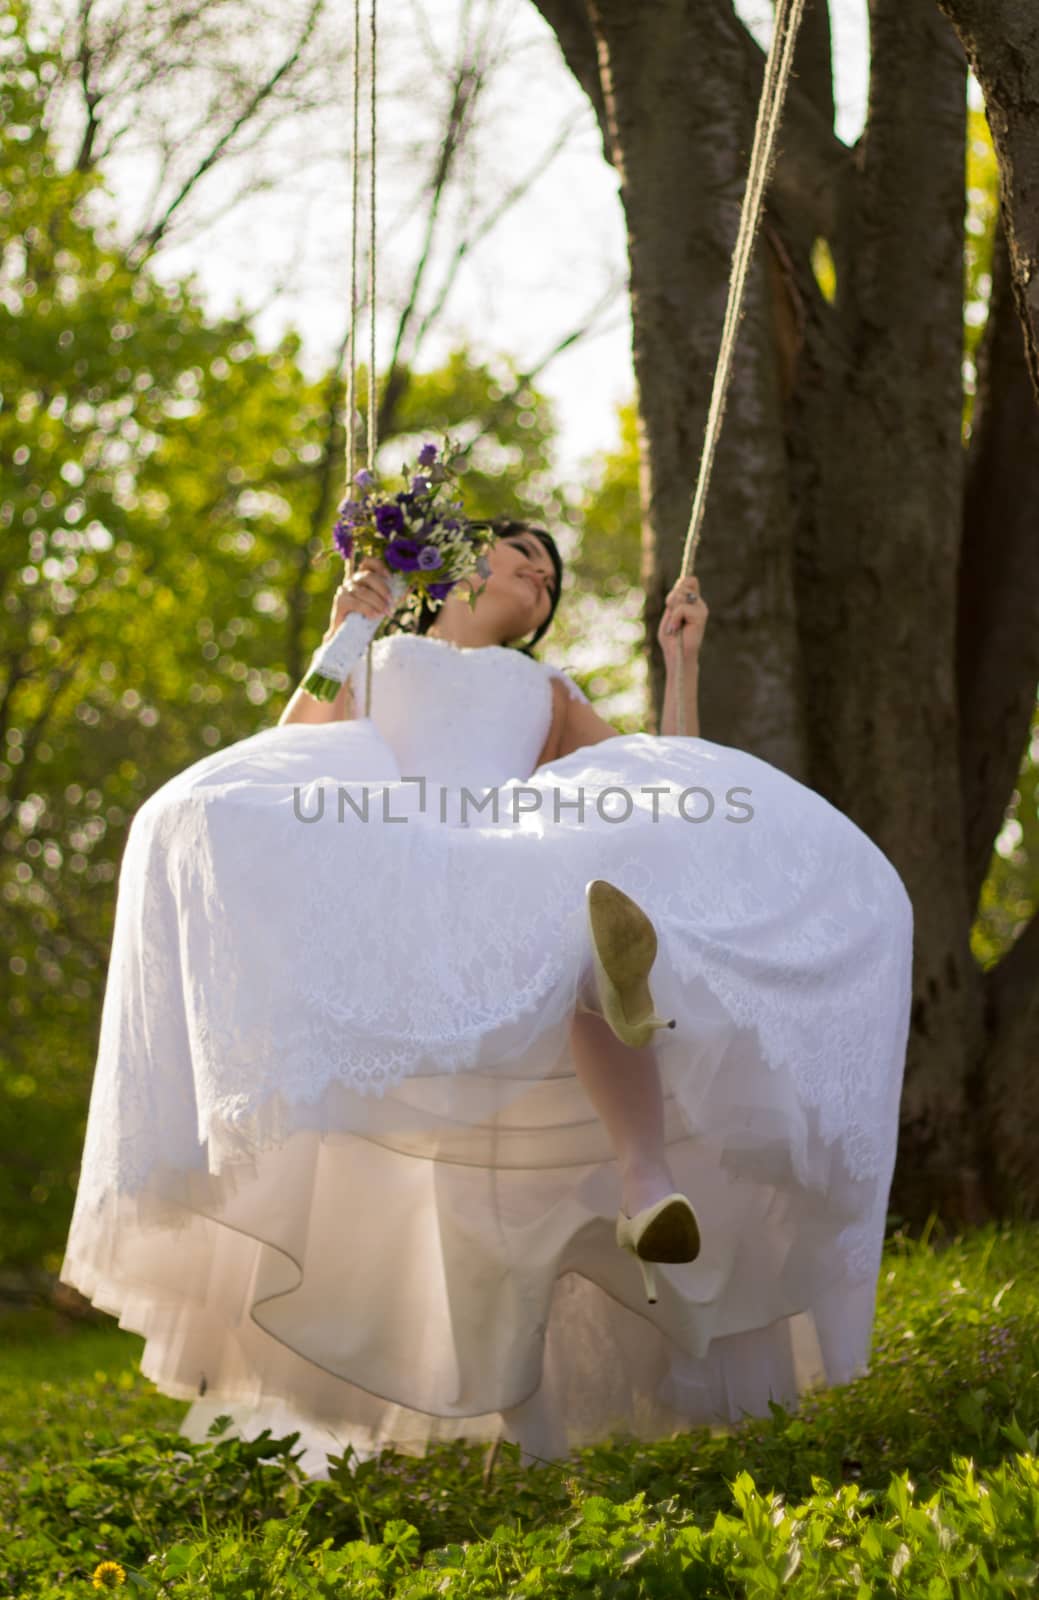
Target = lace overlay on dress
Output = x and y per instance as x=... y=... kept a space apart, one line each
x=328 y=970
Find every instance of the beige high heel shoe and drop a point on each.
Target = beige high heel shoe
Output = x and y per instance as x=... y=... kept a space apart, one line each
x=666 y=1231
x=624 y=948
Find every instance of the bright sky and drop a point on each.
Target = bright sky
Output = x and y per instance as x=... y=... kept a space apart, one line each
x=540 y=272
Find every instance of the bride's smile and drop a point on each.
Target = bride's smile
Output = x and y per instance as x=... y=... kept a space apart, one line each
x=517 y=597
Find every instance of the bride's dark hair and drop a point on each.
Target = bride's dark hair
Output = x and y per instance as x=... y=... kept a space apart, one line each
x=508 y=528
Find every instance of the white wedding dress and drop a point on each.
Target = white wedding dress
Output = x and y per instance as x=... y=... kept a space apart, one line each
x=338 y=1170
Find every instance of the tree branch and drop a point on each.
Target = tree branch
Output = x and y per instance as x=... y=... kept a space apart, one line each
x=467 y=82
x=296 y=599
x=570 y=23
x=91 y=96
x=142 y=247
x=19 y=782
x=582 y=331
x=19 y=670
x=1001 y=38
x=813 y=59
x=486 y=226
x=811 y=165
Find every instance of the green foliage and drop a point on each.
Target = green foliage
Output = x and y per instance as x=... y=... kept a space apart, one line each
x=982 y=213
x=918 y=1479
x=167 y=493
x=1010 y=893
x=96 y=366
x=507 y=428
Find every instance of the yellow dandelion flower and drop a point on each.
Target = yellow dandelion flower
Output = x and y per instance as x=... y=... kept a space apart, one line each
x=109 y=1575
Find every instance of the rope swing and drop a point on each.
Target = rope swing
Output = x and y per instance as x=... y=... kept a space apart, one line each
x=770 y=110
x=351 y=380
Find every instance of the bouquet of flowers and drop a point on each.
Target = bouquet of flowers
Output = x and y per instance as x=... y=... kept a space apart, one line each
x=427 y=543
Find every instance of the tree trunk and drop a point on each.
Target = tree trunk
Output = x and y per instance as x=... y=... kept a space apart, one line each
x=1001 y=38
x=836 y=537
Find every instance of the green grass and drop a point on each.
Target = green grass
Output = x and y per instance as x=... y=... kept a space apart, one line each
x=918 y=1479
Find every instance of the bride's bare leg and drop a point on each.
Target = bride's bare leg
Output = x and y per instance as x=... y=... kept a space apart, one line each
x=623 y=1085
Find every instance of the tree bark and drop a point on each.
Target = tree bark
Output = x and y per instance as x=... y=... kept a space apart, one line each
x=1001 y=38
x=998 y=593
x=881 y=496
x=1009 y=1102
x=681 y=161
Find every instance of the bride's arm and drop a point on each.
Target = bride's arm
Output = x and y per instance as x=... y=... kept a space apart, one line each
x=359 y=593
x=681 y=629
x=304 y=708
x=583 y=725
x=690 y=687
x=682 y=626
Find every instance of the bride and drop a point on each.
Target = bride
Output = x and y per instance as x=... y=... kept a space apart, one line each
x=386 y=1111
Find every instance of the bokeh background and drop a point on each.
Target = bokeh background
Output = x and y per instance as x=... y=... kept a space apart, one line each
x=174 y=235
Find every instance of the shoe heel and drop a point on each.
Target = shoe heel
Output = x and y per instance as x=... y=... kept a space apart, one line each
x=649 y=1282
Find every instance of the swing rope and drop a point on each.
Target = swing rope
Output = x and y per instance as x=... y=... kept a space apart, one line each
x=351 y=379
x=373 y=410
x=351 y=371
x=355 y=165
x=372 y=384
x=788 y=15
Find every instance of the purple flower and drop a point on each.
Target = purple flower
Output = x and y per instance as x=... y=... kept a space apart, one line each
x=351 y=510
x=419 y=485
x=389 y=519
x=427 y=455
x=437 y=591
x=429 y=557
x=402 y=554
x=364 y=479
x=343 y=539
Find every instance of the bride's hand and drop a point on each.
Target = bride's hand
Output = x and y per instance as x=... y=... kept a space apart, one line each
x=683 y=622
x=368 y=592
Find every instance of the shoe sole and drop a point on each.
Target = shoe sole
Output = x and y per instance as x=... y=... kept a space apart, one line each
x=672 y=1236
x=626 y=941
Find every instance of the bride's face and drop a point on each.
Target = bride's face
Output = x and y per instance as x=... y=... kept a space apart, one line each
x=523 y=579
